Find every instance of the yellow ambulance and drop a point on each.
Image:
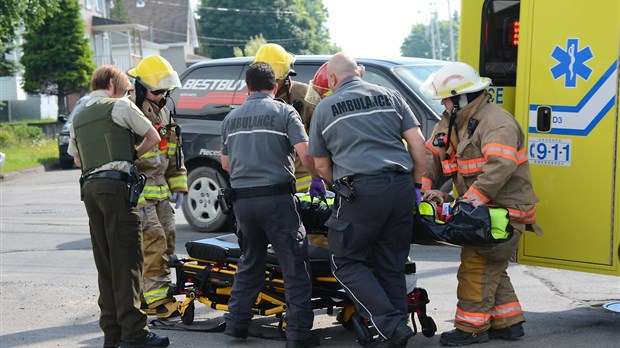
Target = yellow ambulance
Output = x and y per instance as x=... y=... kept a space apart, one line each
x=554 y=66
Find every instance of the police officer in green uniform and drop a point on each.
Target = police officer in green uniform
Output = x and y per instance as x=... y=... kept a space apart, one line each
x=103 y=138
x=356 y=138
x=259 y=141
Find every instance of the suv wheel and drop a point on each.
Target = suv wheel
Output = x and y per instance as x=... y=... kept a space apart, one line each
x=201 y=209
x=66 y=163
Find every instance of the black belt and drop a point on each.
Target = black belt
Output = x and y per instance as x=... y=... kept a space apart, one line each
x=278 y=189
x=358 y=177
x=109 y=174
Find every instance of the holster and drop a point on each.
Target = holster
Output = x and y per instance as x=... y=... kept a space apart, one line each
x=135 y=185
x=82 y=188
x=225 y=197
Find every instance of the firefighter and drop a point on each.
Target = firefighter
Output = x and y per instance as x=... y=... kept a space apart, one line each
x=259 y=155
x=166 y=181
x=375 y=196
x=483 y=149
x=293 y=93
x=102 y=145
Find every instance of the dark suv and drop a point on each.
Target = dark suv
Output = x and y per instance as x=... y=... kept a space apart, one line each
x=66 y=160
x=212 y=88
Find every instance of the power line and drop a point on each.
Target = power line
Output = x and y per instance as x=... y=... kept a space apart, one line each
x=243 y=10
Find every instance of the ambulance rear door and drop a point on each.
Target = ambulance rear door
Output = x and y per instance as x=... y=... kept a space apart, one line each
x=567 y=97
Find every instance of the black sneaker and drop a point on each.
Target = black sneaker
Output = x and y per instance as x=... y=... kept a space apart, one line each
x=510 y=333
x=241 y=333
x=399 y=338
x=458 y=337
x=313 y=341
x=150 y=340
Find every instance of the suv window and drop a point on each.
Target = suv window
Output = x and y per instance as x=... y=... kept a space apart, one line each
x=210 y=92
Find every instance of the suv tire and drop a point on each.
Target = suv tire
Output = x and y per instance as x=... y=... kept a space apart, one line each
x=201 y=208
x=66 y=163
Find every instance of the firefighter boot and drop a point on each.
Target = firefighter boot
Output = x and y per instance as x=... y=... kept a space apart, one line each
x=458 y=337
x=167 y=310
x=510 y=333
x=148 y=311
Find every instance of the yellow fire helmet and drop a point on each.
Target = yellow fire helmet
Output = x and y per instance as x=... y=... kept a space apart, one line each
x=276 y=56
x=155 y=73
x=452 y=80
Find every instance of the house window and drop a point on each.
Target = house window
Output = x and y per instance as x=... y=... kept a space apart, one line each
x=88 y=4
x=99 y=5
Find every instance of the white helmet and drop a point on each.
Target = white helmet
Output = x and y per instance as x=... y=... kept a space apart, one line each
x=452 y=80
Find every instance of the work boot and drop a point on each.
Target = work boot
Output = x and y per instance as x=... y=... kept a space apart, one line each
x=510 y=333
x=399 y=338
x=458 y=337
x=313 y=341
x=167 y=310
x=150 y=340
x=241 y=333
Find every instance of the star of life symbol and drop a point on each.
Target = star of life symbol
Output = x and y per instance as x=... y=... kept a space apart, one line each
x=571 y=62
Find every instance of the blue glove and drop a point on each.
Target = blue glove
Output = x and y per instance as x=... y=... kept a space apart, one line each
x=418 y=196
x=317 y=188
x=177 y=197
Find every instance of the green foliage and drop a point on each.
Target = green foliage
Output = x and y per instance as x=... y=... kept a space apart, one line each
x=119 y=12
x=252 y=46
x=57 y=56
x=22 y=131
x=418 y=42
x=6 y=137
x=14 y=13
x=297 y=25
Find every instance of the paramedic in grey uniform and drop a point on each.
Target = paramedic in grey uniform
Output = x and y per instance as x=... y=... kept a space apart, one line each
x=259 y=141
x=357 y=132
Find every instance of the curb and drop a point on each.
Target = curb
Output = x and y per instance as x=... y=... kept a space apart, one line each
x=38 y=169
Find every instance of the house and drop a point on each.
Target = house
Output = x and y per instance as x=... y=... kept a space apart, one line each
x=171 y=24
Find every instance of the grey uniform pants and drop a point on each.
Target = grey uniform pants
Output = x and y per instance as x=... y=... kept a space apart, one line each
x=376 y=225
x=260 y=221
x=117 y=247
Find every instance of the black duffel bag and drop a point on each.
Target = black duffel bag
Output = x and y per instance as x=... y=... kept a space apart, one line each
x=468 y=225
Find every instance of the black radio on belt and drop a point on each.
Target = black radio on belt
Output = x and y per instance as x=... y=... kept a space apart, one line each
x=344 y=188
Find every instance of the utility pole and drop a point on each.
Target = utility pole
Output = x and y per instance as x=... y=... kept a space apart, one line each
x=452 y=57
x=435 y=31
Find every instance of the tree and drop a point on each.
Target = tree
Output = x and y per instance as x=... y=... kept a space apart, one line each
x=119 y=11
x=57 y=57
x=419 y=42
x=13 y=14
x=251 y=47
x=297 y=25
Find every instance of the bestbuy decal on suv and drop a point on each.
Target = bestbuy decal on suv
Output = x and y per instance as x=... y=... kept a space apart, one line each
x=219 y=92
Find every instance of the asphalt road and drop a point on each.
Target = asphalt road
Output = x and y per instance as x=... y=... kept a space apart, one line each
x=48 y=286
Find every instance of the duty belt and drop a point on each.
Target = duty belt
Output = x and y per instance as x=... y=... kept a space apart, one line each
x=359 y=177
x=259 y=191
x=109 y=174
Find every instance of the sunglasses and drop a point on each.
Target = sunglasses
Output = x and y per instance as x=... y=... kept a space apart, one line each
x=160 y=91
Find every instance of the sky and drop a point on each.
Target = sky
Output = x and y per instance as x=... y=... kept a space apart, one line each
x=379 y=27
x=366 y=28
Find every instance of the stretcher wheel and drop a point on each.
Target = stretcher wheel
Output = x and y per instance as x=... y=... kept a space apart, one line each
x=188 y=314
x=426 y=323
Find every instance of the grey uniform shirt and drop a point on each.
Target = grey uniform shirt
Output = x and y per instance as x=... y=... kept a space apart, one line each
x=360 y=127
x=259 y=139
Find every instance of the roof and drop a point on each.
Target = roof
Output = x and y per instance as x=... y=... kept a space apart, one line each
x=168 y=19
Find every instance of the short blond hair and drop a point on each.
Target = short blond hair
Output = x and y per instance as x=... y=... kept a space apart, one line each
x=105 y=73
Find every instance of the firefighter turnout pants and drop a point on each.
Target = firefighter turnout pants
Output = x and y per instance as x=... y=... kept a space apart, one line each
x=260 y=221
x=376 y=225
x=486 y=298
x=116 y=240
x=159 y=242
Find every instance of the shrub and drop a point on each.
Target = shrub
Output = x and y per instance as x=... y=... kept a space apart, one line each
x=6 y=137
x=22 y=131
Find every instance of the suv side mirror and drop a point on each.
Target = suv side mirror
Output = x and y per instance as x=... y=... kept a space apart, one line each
x=62 y=118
